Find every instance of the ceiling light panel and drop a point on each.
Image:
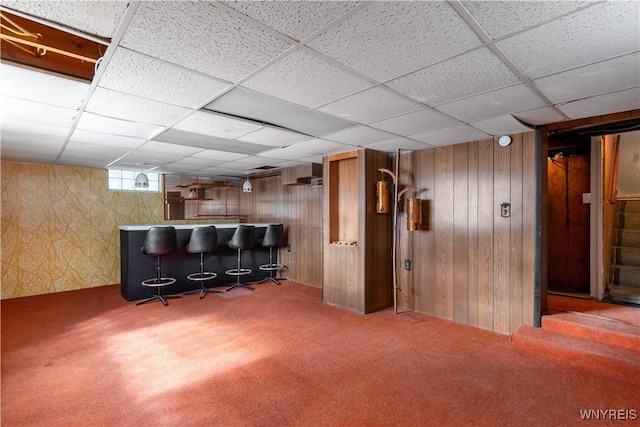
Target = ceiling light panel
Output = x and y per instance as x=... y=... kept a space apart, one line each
x=38 y=113
x=264 y=108
x=123 y=106
x=305 y=79
x=371 y=105
x=96 y=123
x=359 y=135
x=13 y=127
x=296 y=19
x=252 y=162
x=18 y=82
x=304 y=149
x=18 y=152
x=163 y=148
x=100 y=18
x=495 y=103
x=374 y=40
x=500 y=125
x=418 y=121
x=540 y=116
x=108 y=153
x=109 y=140
x=140 y=75
x=499 y=19
x=273 y=137
x=203 y=37
x=204 y=141
x=468 y=74
x=604 y=104
x=607 y=76
x=216 y=155
x=608 y=29
x=451 y=135
x=392 y=145
x=207 y=123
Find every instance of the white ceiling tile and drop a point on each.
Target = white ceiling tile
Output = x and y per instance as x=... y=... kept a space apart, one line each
x=540 y=116
x=273 y=137
x=203 y=37
x=371 y=105
x=313 y=159
x=450 y=135
x=225 y=171
x=207 y=123
x=500 y=125
x=468 y=74
x=100 y=18
x=608 y=76
x=604 y=104
x=296 y=19
x=147 y=77
x=252 y=162
x=305 y=79
x=607 y=29
x=180 y=137
x=123 y=106
x=37 y=113
x=216 y=155
x=32 y=142
x=495 y=103
x=499 y=18
x=359 y=135
x=304 y=149
x=376 y=40
x=17 y=82
x=198 y=162
x=96 y=138
x=418 y=121
x=391 y=145
x=96 y=123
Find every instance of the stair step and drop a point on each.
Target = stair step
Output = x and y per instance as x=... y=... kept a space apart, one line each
x=625 y=255
x=627 y=237
x=624 y=314
x=627 y=294
x=599 y=329
x=605 y=358
x=626 y=275
x=632 y=206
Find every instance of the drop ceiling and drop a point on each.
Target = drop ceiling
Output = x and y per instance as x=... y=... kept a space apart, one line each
x=222 y=88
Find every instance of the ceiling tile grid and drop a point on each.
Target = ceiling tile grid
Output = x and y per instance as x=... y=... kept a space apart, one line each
x=222 y=88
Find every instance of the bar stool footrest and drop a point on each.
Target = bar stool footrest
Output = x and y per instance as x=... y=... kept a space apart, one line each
x=238 y=271
x=201 y=277
x=271 y=267
x=154 y=283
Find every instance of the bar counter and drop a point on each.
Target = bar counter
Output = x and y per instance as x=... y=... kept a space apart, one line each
x=135 y=266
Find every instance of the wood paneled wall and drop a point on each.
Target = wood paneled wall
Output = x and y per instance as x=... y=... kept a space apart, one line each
x=470 y=264
x=299 y=208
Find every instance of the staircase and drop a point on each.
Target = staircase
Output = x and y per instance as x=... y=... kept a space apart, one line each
x=624 y=277
x=593 y=335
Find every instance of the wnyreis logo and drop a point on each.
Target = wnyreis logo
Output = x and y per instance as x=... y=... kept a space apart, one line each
x=608 y=414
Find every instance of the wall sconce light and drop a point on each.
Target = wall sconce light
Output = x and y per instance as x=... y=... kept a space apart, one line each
x=382 y=197
x=247 y=187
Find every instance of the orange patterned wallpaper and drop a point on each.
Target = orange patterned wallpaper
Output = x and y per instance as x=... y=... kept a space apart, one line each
x=60 y=227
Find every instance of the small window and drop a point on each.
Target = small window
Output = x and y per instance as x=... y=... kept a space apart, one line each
x=125 y=180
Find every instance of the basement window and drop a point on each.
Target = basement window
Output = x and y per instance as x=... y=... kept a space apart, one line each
x=125 y=180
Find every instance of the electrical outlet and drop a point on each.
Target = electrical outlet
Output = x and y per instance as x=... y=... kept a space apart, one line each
x=289 y=247
x=505 y=210
x=407 y=264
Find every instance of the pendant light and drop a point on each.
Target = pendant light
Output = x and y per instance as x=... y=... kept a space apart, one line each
x=247 y=187
x=141 y=180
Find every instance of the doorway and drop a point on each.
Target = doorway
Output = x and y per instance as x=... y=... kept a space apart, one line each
x=569 y=193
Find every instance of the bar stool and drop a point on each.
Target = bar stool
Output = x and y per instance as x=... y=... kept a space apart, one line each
x=273 y=238
x=202 y=240
x=243 y=238
x=159 y=241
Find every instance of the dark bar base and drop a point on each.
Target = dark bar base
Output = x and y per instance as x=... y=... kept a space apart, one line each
x=136 y=266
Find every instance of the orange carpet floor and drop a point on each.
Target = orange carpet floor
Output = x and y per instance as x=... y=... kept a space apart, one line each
x=278 y=357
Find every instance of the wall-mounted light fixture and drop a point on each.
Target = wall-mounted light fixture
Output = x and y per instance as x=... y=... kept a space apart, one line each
x=247 y=187
x=504 y=141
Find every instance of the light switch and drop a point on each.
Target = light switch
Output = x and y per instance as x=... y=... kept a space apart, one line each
x=586 y=198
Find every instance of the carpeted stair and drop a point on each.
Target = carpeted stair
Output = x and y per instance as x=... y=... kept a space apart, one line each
x=592 y=335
